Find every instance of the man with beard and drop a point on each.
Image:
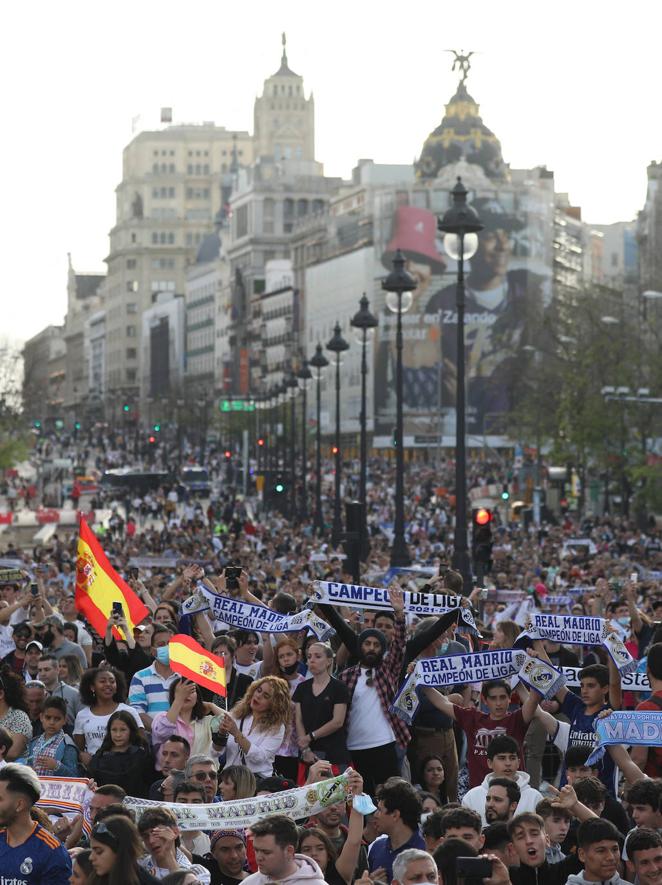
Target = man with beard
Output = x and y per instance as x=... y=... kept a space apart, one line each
x=29 y=854
x=330 y=821
x=502 y=798
x=16 y=658
x=372 y=729
x=57 y=643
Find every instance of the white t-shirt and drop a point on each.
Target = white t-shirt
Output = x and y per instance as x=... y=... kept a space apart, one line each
x=368 y=726
x=253 y=670
x=7 y=644
x=93 y=727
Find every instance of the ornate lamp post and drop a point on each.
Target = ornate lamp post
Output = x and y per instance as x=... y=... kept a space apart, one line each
x=319 y=362
x=399 y=285
x=337 y=345
x=304 y=376
x=363 y=321
x=461 y=225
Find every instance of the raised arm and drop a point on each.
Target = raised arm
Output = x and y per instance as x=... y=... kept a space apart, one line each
x=347 y=636
x=615 y=689
x=421 y=641
x=349 y=856
x=440 y=701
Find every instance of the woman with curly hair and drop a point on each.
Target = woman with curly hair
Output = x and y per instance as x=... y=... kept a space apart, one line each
x=103 y=691
x=256 y=725
x=13 y=716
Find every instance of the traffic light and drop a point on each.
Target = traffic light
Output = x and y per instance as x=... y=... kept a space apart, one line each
x=76 y=425
x=228 y=454
x=151 y=439
x=260 y=442
x=279 y=487
x=505 y=494
x=481 y=544
x=157 y=428
x=36 y=425
x=126 y=407
x=482 y=517
x=334 y=450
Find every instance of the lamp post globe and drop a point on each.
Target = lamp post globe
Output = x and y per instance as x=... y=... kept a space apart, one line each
x=363 y=322
x=399 y=285
x=461 y=225
x=337 y=345
x=319 y=362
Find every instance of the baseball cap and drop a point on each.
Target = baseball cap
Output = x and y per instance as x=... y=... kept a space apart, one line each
x=34 y=642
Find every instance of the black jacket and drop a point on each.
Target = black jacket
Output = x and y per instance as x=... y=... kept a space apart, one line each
x=546 y=873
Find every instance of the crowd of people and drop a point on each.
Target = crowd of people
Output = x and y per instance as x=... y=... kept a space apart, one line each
x=488 y=783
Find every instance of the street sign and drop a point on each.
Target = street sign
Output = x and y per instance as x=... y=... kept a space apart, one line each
x=236 y=405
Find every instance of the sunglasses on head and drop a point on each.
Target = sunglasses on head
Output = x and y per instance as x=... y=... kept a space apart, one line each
x=101 y=830
x=368 y=678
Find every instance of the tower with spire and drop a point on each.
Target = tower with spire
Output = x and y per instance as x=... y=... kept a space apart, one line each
x=284 y=119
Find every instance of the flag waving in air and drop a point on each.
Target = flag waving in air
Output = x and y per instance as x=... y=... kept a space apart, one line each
x=192 y=661
x=98 y=585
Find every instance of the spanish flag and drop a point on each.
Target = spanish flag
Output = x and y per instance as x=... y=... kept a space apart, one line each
x=192 y=661
x=98 y=585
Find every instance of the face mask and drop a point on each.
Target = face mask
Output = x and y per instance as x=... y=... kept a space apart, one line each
x=163 y=655
x=624 y=622
x=443 y=647
x=290 y=669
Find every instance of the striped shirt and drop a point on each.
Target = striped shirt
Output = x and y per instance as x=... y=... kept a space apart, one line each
x=148 y=692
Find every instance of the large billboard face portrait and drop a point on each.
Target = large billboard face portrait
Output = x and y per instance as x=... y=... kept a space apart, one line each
x=507 y=290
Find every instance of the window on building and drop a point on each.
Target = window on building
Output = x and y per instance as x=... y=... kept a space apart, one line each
x=132 y=285
x=131 y=353
x=171 y=239
x=241 y=217
x=288 y=216
x=131 y=375
x=130 y=331
x=205 y=169
x=268 y=215
x=131 y=307
x=130 y=263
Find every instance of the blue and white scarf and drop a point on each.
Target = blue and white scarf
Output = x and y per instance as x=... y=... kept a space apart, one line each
x=454 y=670
x=578 y=630
x=377 y=599
x=247 y=616
x=640 y=728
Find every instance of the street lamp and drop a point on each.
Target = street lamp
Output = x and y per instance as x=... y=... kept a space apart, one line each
x=363 y=321
x=304 y=376
x=399 y=285
x=461 y=224
x=319 y=362
x=337 y=345
x=292 y=388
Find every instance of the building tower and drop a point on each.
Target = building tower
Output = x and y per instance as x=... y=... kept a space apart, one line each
x=284 y=119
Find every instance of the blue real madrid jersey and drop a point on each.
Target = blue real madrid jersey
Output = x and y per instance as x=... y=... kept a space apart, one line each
x=40 y=860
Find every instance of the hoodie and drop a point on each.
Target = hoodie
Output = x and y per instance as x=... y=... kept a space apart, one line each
x=475 y=798
x=306 y=871
x=580 y=879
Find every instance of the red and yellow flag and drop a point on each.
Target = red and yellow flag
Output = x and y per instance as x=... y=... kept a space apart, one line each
x=192 y=661
x=98 y=585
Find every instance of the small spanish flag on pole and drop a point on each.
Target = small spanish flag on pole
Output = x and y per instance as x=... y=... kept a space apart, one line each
x=98 y=586
x=192 y=661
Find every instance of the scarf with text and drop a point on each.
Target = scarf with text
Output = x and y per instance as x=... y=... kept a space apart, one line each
x=377 y=599
x=66 y=795
x=248 y=616
x=448 y=670
x=578 y=630
x=241 y=813
x=640 y=728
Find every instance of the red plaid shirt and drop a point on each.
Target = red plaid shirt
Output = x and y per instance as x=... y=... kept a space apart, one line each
x=385 y=679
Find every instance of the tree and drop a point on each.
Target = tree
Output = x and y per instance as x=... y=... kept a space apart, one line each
x=14 y=439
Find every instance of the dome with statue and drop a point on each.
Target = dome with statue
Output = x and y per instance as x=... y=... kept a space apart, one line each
x=462 y=135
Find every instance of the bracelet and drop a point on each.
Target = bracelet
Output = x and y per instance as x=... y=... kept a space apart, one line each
x=312 y=735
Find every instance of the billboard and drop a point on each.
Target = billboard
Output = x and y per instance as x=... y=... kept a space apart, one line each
x=508 y=290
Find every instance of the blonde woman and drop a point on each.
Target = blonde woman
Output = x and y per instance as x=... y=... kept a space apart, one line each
x=256 y=725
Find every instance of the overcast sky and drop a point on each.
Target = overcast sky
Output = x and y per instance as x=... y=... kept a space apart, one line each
x=573 y=85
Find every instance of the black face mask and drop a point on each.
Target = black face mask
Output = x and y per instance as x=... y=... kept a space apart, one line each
x=47 y=637
x=290 y=669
